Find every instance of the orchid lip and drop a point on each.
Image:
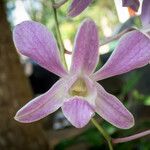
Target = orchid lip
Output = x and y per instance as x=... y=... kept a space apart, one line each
x=79 y=88
x=84 y=88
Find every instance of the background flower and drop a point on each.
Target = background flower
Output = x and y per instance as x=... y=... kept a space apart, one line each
x=134 y=4
x=77 y=6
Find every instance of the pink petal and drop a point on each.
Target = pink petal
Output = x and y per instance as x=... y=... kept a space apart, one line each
x=133 y=51
x=33 y=39
x=45 y=104
x=134 y=4
x=77 y=6
x=85 y=56
x=112 y=110
x=145 y=15
x=77 y=111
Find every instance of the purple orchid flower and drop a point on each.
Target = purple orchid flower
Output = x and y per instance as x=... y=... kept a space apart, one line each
x=77 y=6
x=145 y=14
x=77 y=92
x=134 y=4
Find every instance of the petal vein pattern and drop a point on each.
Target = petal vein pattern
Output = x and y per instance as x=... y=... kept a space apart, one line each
x=112 y=110
x=32 y=39
x=77 y=111
x=85 y=55
x=46 y=103
x=133 y=51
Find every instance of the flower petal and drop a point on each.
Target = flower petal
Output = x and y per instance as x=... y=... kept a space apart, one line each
x=33 y=39
x=77 y=111
x=112 y=110
x=133 y=51
x=85 y=55
x=47 y=103
x=145 y=15
x=134 y=4
x=77 y=6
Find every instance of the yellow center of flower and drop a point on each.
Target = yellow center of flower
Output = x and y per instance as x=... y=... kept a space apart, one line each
x=78 y=88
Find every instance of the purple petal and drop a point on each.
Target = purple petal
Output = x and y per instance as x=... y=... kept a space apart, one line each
x=85 y=54
x=145 y=15
x=77 y=6
x=45 y=104
x=134 y=4
x=33 y=39
x=112 y=110
x=77 y=111
x=133 y=51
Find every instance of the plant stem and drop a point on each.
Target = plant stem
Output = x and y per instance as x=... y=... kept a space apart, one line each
x=103 y=132
x=60 y=41
x=130 y=138
x=117 y=36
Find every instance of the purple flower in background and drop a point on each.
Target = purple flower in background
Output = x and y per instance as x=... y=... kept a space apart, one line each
x=134 y=4
x=77 y=92
x=77 y=6
x=145 y=14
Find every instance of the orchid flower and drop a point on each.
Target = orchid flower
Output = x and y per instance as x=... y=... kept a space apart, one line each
x=134 y=4
x=77 y=92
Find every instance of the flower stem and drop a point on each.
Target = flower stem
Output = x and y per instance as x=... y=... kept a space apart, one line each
x=130 y=138
x=60 y=41
x=103 y=132
x=117 y=36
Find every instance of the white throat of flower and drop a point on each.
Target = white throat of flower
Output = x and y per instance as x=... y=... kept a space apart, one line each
x=79 y=88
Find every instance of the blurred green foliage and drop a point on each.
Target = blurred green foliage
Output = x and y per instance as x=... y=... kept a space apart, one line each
x=95 y=141
x=90 y=137
x=99 y=10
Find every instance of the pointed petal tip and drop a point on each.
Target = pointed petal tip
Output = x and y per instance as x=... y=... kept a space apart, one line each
x=69 y=15
x=16 y=118
x=78 y=7
x=19 y=118
x=88 y=19
x=129 y=124
x=132 y=123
